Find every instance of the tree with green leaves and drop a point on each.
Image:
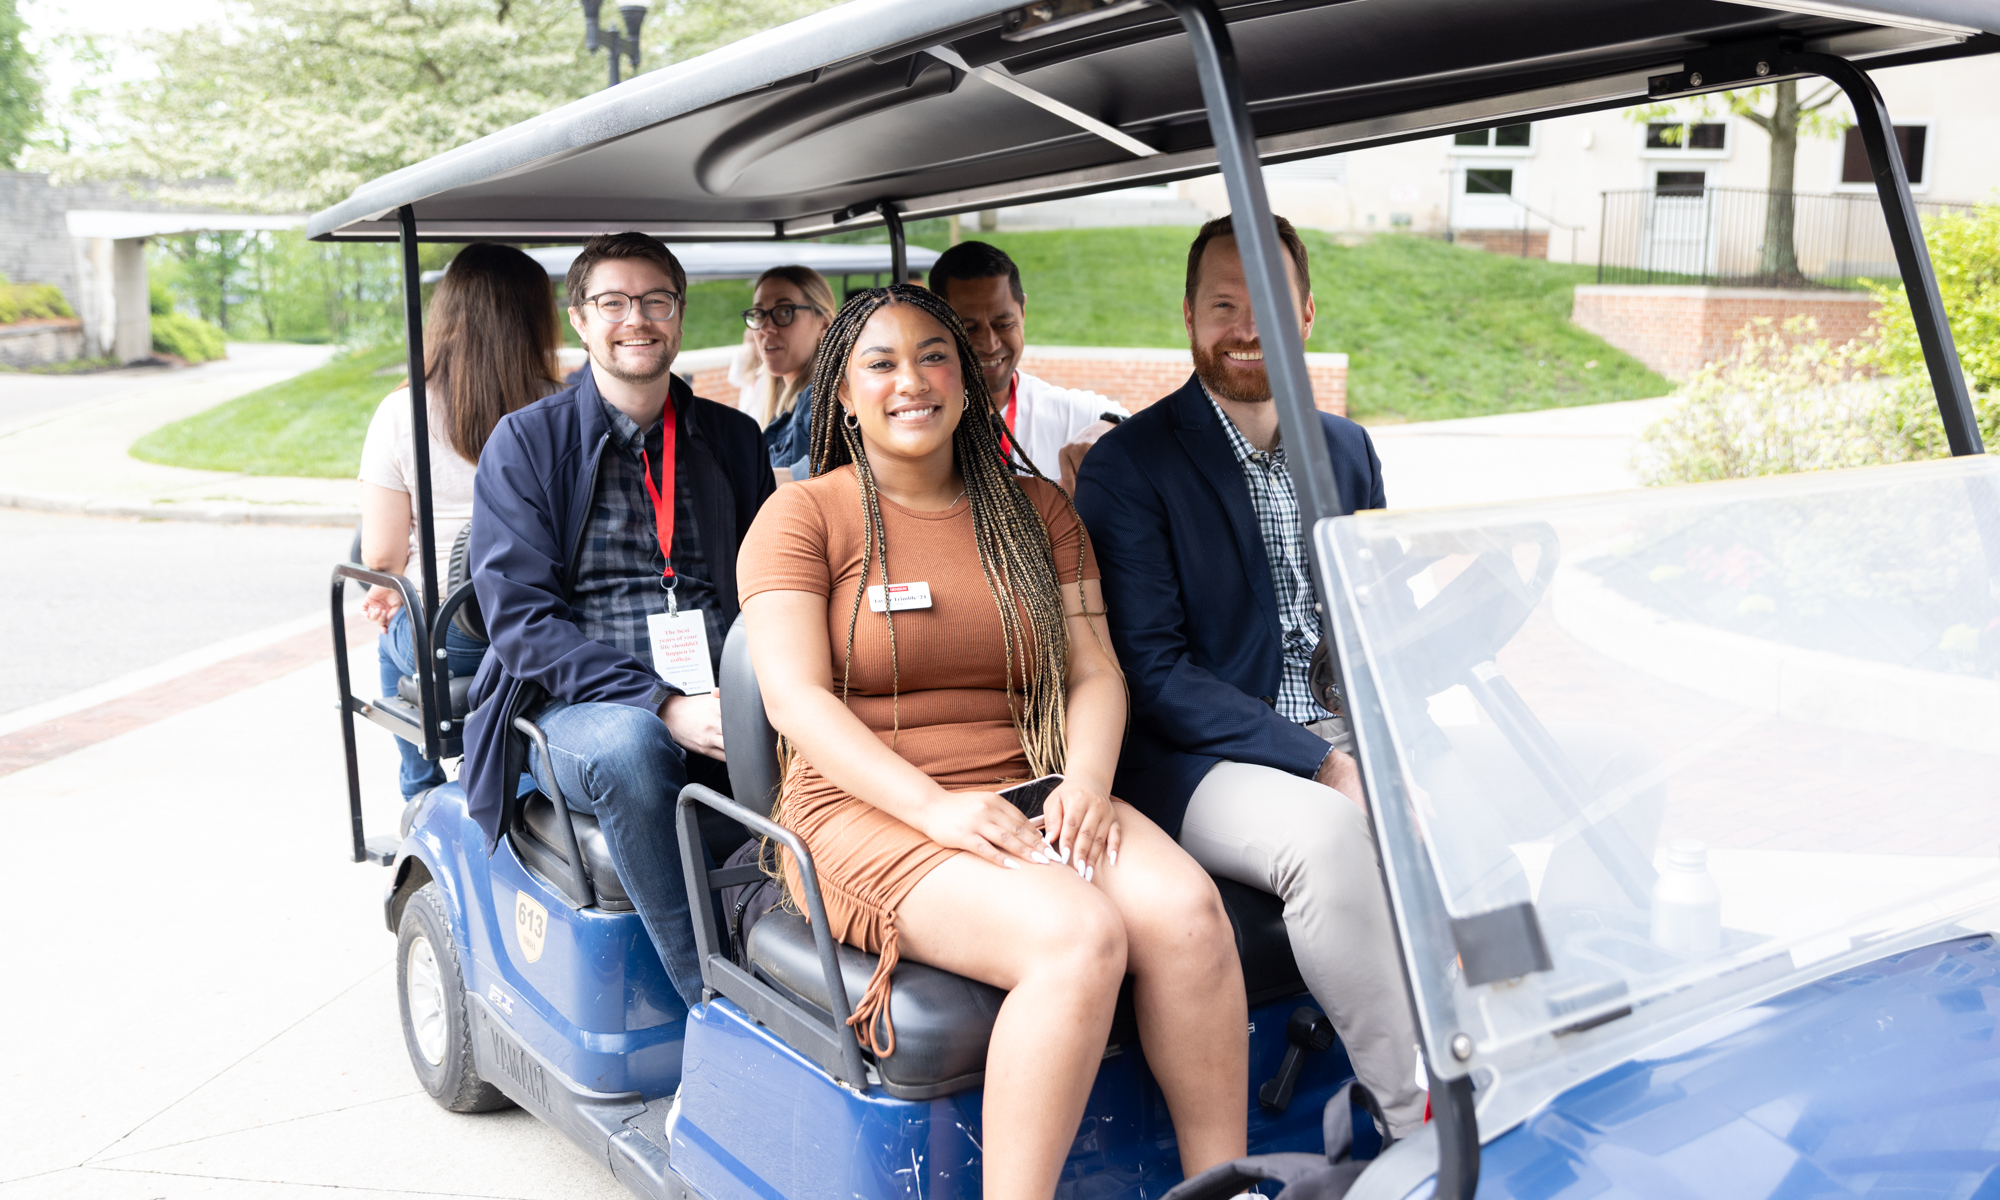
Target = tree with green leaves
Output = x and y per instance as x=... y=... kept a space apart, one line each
x=1778 y=110
x=296 y=102
x=20 y=86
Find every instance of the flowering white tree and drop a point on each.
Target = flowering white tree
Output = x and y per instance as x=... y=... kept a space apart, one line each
x=295 y=102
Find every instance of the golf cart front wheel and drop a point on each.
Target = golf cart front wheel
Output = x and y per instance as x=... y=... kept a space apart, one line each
x=436 y=1027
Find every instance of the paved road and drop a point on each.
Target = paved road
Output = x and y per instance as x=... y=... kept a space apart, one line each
x=89 y=599
x=210 y=986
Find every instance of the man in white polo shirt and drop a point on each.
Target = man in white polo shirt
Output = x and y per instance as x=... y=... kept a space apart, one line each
x=983 y=286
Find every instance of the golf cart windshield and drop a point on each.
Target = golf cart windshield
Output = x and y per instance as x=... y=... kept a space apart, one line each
x=1646 y=758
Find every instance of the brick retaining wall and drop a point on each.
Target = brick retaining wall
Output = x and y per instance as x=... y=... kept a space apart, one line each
x=1134 y=378
x=1675 y=330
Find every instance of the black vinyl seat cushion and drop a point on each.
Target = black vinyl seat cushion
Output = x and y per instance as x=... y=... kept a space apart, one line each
x=543 y=848
x=944 y=1021
x=461 y=686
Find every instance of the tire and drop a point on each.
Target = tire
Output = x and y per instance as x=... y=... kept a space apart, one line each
x=430 y=990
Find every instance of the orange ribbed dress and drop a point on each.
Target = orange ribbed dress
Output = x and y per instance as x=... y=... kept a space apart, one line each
x=947 y=714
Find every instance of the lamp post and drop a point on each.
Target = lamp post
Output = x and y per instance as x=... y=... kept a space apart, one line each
x=612 y=41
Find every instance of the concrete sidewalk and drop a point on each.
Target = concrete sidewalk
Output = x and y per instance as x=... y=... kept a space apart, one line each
x=1515 y=456
x=65 y=442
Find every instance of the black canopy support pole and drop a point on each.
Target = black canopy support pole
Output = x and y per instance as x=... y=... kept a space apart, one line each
x=1892 y=184
x=899 y=246
x=1457 y=1138
x=1263 y=260
x=437 y=705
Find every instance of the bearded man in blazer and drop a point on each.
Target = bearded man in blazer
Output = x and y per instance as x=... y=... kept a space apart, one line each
x=1210 y=599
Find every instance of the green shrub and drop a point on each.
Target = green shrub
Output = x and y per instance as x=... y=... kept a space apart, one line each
x=1965 y=253
x=31 y=301
x=1788 y=402
x=186 y=337
x=1785 y=401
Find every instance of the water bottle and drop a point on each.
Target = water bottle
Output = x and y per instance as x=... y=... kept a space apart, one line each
x=1687 y=906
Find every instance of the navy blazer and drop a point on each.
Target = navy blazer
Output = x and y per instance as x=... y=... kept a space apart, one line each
x=1194 y=617
x=531 y=498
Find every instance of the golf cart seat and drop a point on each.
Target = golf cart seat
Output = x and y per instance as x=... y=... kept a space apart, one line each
x=942 y=1021
x=407 y=691
x=543 y=849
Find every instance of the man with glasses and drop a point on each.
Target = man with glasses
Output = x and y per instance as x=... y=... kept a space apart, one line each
x=606 y=521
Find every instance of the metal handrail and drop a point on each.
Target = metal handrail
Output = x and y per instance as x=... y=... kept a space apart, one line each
x=840 y=1048
x=579 y=886
x=351 y=704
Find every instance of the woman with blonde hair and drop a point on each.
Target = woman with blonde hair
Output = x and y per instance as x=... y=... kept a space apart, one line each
x=489 y=348
x=787 y=317
x=904 y=717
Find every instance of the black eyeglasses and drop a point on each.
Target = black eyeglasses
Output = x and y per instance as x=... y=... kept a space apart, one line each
x=780 y=314
x=655 y=306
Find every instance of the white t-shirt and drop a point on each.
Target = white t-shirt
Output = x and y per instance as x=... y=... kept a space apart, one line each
x=389 y=460
x=1047 y=418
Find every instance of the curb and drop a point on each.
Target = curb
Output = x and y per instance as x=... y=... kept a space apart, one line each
x=210 y=513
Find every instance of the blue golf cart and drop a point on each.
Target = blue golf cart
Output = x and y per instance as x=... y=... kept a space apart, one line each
x=1684 y=798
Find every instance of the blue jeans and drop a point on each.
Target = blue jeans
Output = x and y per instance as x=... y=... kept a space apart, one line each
x=399 y=658
x=619 y=764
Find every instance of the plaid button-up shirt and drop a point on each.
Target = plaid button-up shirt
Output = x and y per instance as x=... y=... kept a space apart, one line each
x=618 y=570
x=1276 y=504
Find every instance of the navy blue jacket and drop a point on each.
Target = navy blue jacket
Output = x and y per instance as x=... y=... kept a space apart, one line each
x=531 y=499
x=1194 y=617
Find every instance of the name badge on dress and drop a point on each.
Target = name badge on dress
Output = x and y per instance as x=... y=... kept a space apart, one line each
x=898 y=597
x=680 y=650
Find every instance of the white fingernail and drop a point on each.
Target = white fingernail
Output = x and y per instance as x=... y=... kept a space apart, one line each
x=1090 y=874
x=1082 y=872
x=1010 y=864
x=1114 y=858
x=1039 y=857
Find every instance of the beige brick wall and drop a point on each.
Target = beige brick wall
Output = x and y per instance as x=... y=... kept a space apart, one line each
x=1504 y=241
x=1137 y=378
x=1134 y=378
x=1675 y=330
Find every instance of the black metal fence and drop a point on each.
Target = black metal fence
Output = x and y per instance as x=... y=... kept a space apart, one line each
x=1746 y=237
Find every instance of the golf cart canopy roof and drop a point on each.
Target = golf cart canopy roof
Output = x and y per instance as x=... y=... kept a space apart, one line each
x=952 y=105
x=707 y=262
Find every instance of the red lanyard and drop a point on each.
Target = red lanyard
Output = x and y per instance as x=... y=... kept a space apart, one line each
x=663 y=495
x=1013 y=387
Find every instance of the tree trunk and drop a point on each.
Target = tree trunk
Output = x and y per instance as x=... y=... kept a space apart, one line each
x=1780 y=259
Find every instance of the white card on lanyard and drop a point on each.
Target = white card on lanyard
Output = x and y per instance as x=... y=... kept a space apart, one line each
x=680 y=650
x=899 y=597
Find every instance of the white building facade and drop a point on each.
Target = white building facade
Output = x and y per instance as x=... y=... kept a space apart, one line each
x=1550 y=179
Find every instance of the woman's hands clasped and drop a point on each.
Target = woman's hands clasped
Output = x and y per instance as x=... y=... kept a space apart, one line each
x=988 y=825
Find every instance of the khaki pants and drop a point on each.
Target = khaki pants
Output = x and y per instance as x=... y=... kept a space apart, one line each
x=1310 y=846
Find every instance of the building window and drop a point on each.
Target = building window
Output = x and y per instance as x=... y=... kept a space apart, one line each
x=1505 y=137
x=1912 y=140
x=1489 y=181
x=1674 y=135
x=1679 y=183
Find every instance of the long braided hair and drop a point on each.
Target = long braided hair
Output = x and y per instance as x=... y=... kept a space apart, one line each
x=1014 y=550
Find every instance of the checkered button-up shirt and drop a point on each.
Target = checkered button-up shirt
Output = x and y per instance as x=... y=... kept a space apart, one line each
x=618 y=571
x=1276 y=504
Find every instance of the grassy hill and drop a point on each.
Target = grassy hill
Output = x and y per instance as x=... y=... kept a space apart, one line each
x=1432 y=331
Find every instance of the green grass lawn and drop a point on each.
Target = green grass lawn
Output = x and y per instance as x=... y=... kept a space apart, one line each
x=1432 y=331
x=311 y=424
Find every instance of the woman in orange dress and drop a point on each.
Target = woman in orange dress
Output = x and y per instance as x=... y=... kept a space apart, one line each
x=989 y=667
